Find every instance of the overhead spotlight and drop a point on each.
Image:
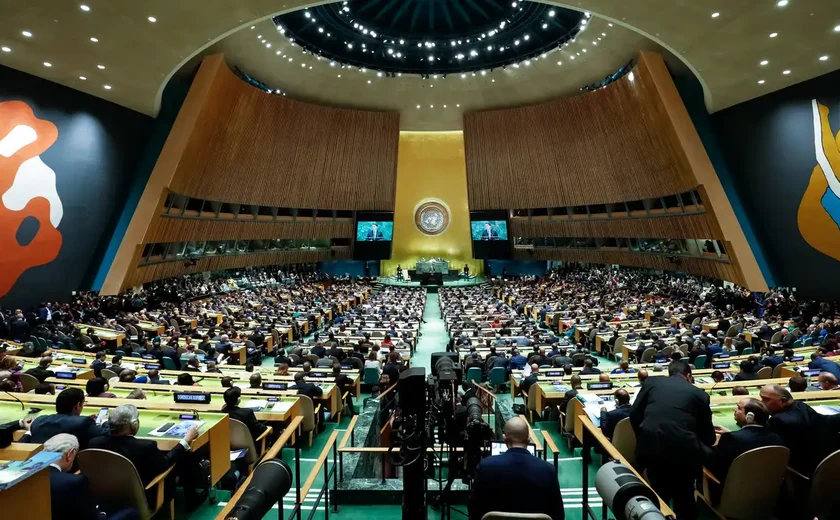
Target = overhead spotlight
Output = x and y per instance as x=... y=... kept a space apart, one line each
x=545 y=26
x=402 y=42
x=483 y=72
x=823 y=58
x=458 y=105
x=379 y=74
x=418 y=107
x=528 y=63
x=761 y=82
x=82 y=78
x=84 y=8
x=27 y=34
x=715 y=15
x=100 y=67
x=463 y=75
x=527 y=37
x=782 y=3
x=774 y=34
x=107 y=87
x=5 y=49
x=152 y=19
x=551 y=13
x=786 y=72
x=95 y=40
x=837 y=28
x=47 y=64
x=307 y=14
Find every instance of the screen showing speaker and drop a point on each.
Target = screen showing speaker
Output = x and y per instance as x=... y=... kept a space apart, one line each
x=374 y=235
x=489 y=232
x=374 y=231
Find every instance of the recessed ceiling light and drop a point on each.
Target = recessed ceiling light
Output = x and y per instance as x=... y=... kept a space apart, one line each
x=82 y=78
x=84 y=8
x=252 y=27
x=100 y=67
x=823 y=58
x=152 y=19
x=786 y=72
x=418 y=106
x=444 y=106
x=339 y=75
x=559 y=62
x=95 y=40
x=610 y=24
x=715 y=15
x=27 y=34
x=47 y=64
x=5 y=49
x=458 y=106
x=107 y=87
x=764 y=62
x=431 y=106
x=782 y=3
x=368 y=82
x=773 y=35
x=837 y=28
x=761 y=82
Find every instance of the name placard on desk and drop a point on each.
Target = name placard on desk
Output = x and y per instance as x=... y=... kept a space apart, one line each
x=65 y=375
x=599 y=386
x=275 y=386
x=553 y=373
x=192 y=397
x=720 y=366
x=78 y=361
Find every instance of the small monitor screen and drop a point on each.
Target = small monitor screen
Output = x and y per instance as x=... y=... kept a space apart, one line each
x=191 y=397
x=78 y=360
x=275 y=386
x=151 y=366
x=318 y=374
x=553 y=373
x=484 y=230
x=374 y=231
x=797 y=358
x=599 y=386
x=499 y=447
x=147 y=356
x=720 y=365
x=65 y=375
x=804 y=373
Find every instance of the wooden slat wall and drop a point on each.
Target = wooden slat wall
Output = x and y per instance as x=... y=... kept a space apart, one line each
x=165 y=270
x=697 y=266
x=615 y=144
x=677 y=226
x=169 y=229
x=257 y=148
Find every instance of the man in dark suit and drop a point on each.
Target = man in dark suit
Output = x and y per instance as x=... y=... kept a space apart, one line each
x=69 y=493
x=747 y=372
x=489 y=233
x=318 y=350
x=172 y=354
x=40 y=372
x=751 y=416
x=99 y=363
x=740 y=343
x=308 y=389
x=609 y=420
x=233 y=396
x=149 y=460
x=672 y=420
x=572 y=393
x=809 y=436
x=529 y=381
x=824 y=365
x=491 y=487
x=374 y=233
x=67 y=419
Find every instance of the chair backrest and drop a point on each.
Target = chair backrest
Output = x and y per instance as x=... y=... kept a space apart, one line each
x=294 y=360
x=173 y=323
x=777 y=371
x=132 y=331
x=241 y=439
x=371 y=375
x=797 y=343
x=667 y=351
x=765 y=373
x=313 y=359
x=684 y=349
x=497 y=375
x=532 y=399
x=647 y=355
x=29 y=382
x=747 y=351
x=578 y=358
x=500 y=515
x=624 y=440
x=307 y=412
x=474 y=374
x=807 y=341
x=108 y=373
x=618 y=344
x=569 y=423
x=181 y=350
x=696 y=322
x=775 y=338
x=168 y=364
x=823 y=499
x=700 y=362
x=732 y=332
x=114 y=481
x=741 y=497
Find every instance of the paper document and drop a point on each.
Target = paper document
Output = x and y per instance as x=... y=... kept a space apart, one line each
x=256 y=404
x=174 y=429
x=827 y=410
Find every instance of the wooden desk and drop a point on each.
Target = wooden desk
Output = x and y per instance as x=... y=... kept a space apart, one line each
x=29 y=499
x=104 y=334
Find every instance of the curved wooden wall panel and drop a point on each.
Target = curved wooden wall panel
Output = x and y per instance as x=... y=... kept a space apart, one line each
x=697 y=266
x=682 y=226
x=614 y=144
x=169 y=229
x=148 y=273
x=252 y=147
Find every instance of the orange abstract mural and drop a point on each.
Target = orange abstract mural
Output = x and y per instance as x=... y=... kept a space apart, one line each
x=28 y=189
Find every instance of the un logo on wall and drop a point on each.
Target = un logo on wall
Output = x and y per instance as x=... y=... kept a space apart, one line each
x=431 y=217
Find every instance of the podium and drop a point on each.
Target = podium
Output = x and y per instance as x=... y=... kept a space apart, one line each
x=433 y=266
x=432 y=279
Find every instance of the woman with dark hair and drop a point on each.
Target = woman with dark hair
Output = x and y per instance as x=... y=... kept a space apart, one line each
x=98 y=387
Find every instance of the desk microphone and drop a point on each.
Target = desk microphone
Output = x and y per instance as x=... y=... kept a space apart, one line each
x=22 y=407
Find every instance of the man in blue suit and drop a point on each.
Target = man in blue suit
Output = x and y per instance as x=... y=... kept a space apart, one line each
x=824 y=365
x=374 y=234
x=494 y=476
x=67 y=419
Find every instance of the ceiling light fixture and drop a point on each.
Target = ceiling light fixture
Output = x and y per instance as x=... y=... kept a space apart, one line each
x=773 y=35
x=5 y=49
x=95 y=40
x=152 y=19
x=786 y=72
x=84 y=8
x=764 y=62
x=837 y=28
x=761 y=82
x=823 y=58
x=100 y=67
x=26 y=34
x=82 y=78
x=782 y=3
x=107 y=87
x=47 y=64
x=715 y=15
